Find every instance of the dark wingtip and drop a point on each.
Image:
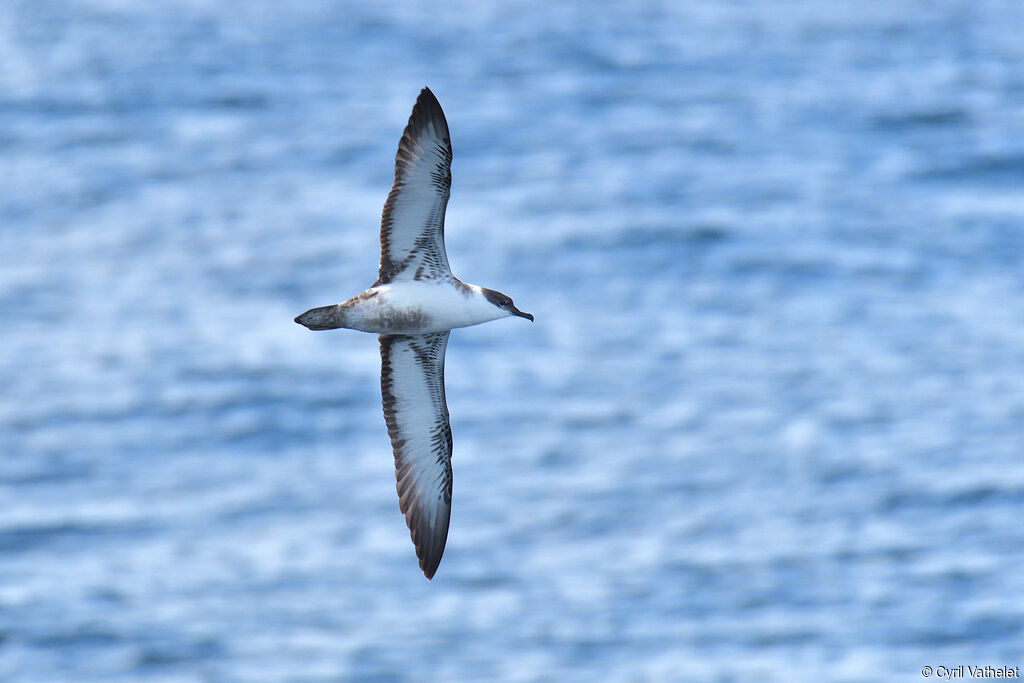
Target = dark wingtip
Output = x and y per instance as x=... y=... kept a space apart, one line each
x=427 y=96
x=430 y=555
x=427 y=108
x=429 y=543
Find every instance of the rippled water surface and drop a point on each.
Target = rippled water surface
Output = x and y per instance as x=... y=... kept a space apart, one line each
x=769 y=424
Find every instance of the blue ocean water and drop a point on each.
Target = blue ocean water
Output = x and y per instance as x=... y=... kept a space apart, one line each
x=768 y=425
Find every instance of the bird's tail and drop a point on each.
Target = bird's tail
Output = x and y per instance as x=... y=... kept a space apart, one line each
x=323 y=318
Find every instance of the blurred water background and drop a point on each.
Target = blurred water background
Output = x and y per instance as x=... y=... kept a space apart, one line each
x=769 y=424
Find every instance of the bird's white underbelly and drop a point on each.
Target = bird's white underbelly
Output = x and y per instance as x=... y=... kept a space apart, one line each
x=417 y=307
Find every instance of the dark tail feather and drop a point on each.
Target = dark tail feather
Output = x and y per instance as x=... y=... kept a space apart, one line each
x=323 y=318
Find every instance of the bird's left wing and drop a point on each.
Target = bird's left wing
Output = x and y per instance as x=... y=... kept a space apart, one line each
x=412 y=387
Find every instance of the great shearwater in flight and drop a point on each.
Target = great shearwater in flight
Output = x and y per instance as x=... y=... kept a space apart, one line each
x=413 y=306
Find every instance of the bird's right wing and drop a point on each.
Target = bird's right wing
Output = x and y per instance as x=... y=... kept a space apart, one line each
x=412 y=225
x=412 y=387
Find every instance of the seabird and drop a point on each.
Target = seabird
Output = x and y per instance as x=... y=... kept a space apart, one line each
x=413 y=306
